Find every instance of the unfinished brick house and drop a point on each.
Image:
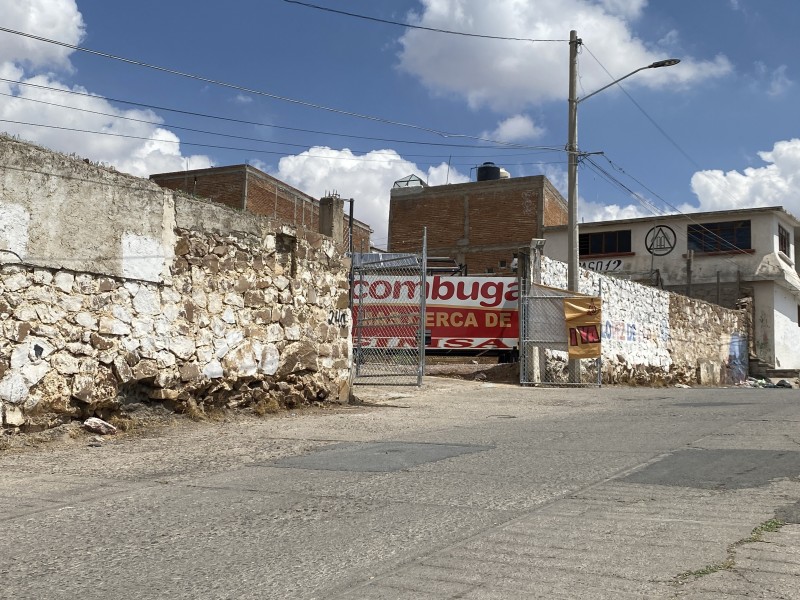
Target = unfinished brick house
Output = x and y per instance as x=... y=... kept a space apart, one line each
x=247 y=188
x=481 y=224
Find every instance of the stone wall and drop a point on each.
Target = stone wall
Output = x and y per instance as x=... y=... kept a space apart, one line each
x=241 y=313
x=650 y=336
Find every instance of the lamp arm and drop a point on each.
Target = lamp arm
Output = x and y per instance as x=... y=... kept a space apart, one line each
x=605 y=87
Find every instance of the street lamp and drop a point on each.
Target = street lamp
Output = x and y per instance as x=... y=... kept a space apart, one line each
x=572 y=166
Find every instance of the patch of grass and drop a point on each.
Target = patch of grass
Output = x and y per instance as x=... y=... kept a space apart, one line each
x=268 y=406
x=215 y=413
x=122 y=423
x=194 y=412
x=729 y=563
x=757 y=535
x=725 y=565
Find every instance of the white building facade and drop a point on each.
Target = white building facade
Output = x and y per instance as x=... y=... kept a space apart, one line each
x=724 y=257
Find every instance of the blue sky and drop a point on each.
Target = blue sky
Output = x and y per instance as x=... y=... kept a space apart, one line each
x=717 y=131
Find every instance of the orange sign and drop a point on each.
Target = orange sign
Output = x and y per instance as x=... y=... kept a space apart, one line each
x=582 y=316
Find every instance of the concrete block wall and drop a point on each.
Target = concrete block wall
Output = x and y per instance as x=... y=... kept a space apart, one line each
x=650 y=336
x=226 y=310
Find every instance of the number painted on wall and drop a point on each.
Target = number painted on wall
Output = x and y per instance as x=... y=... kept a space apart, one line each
x=338 y=317
x=611 y=264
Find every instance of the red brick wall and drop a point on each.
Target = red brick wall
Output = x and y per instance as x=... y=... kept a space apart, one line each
x=555 y=207
x=479 y=224
x=269 y=197
x=225 y=186
x=266 y=196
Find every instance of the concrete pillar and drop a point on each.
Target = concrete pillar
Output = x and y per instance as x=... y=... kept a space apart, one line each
x=331 y=218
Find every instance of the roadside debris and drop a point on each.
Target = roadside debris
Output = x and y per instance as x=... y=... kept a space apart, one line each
x=752 y=382
x=99 y=426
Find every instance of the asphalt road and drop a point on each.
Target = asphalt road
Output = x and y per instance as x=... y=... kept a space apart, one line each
x=458 y=490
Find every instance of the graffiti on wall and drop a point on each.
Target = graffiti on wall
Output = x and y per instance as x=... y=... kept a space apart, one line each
x=631 y=331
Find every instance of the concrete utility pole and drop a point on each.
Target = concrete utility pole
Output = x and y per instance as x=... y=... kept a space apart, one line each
x=572 y=165
x=573 y=235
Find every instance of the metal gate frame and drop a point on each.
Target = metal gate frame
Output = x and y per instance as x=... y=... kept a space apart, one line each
x=542 y=332
x=542 y=326
x=389 y=329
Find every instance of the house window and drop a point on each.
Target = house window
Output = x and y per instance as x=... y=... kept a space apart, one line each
x=605 y=242
x=727 y=236
x=783 y=240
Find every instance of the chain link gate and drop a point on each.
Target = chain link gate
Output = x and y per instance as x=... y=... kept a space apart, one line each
x=389 y=318
x=543 y=331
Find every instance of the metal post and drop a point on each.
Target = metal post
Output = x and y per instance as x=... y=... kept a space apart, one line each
x=352 y=260
x=360 y=319
x=572 y=183
x=422 y=293
x=600 y=358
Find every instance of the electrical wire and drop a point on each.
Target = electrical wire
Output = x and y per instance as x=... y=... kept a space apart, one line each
x=647 y=116
x=240 y=88
x=410 y=26
x=227 y=135
x=400 y=159
x=727 y=245
x=502 y=146
x=677 y=211
x=675 y=144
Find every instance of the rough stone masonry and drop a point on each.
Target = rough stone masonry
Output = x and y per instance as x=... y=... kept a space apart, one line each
x=113 y=290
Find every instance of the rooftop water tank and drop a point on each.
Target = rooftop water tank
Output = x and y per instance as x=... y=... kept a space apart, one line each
x=488 y=171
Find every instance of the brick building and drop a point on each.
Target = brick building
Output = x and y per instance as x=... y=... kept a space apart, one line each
x=247 y=188
x=481 y=225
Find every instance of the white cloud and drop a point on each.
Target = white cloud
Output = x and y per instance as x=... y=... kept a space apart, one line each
x=775 y=83
x=159 y=151
x=54 y=19
x=776 y=184
x=630 y=9
x=508 y=76
x=22 y=59
x=515 y=129
x=590 y=212
x=367 y=178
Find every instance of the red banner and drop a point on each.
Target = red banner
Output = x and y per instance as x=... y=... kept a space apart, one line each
x=461 y=312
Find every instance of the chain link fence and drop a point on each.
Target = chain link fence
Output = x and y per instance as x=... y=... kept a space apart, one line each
x=544 y=345
x=389 y=318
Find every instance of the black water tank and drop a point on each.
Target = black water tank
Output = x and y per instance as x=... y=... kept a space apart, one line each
x=488 y=171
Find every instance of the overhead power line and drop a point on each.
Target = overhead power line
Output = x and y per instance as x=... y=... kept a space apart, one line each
x=648 y=205
x=661 y=130
x=229 y=135
x=240 y=88
x=503 y=146
x=410 y=26
x=237 y=149
x=644 y=112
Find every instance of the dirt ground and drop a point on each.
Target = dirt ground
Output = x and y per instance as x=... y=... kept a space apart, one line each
x=153 y=419
x=492 y=373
